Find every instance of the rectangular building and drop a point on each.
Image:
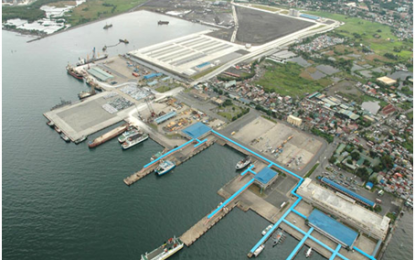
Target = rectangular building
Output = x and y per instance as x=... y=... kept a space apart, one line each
x=294 y=120
x=354 y=215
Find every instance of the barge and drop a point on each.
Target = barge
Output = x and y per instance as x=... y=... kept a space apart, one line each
x=108 y=136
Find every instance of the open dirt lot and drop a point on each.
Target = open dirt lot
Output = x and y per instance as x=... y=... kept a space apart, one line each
x=259 y=27
x=269 y=136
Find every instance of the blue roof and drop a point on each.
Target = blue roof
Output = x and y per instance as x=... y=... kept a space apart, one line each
x=265 y=175
x=202 y=65
x=165 y=117
x=152 y=75
x=369 y=184
x=332 y=227
x=309 y=16
x=348 y=192
x=196 y=130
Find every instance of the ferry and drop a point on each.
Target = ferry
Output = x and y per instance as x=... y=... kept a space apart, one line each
x=259 y=250
x=169 y=248
x=64 y=137
x=309 y=252
x=266 y=230
x=165 y=167
x=127 y=134
x=243 y=163
x=134 y=140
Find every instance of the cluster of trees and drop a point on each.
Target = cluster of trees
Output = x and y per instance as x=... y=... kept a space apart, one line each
x=243 y=112
x=326 y=136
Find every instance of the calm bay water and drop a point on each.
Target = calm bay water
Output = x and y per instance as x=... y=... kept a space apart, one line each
x=64 y=201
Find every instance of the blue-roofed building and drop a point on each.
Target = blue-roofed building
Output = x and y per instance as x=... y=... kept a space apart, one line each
x=309 y=16
x=332 y=229
x=198 y=130
x=348 y=192
x=152 y=75
x=165 y=117
x=369 y=185
x=265 y=177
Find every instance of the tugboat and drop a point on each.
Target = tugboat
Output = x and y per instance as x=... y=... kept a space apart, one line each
x=124 y=41
x=57 y=129
x=50 y=123
x=64 y=137
x=165 y=167
x=71 y=71
x=134 y=140
x=169 y=248
x=279 y=238
x=243 y=163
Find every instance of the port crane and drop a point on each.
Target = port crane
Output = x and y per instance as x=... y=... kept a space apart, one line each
x=150 y=108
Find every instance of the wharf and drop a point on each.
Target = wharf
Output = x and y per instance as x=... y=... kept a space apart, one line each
x=178 y=155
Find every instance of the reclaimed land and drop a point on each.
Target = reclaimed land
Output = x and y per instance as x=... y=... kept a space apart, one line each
x=365 y=31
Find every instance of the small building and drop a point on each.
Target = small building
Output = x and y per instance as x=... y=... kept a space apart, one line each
x=294 y=120
x=165 y=117
x=217 y=101
x=369 y=185
x=332 y=229
x=386 y=80
x=265 y=178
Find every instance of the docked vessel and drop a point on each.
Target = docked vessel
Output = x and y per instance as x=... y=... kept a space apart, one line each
x=95 y=57
x=90 y=82
x=57 y=129
x=65 y=138
x=165 y=167
x=266 y=230
x=85 y=94
x=279 y=238
x=309 y=252
x=107 y=136
x=243 y=163
x=259 y=250
x=134 y=140
x=124 y=41
x=62 y=104
x=80 y=140
x=107 y=26
x=130 y=132
x=169 y=248
x=50 y=123
x=71 y=71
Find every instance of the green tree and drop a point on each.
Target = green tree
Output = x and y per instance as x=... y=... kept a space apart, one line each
x=355 y=156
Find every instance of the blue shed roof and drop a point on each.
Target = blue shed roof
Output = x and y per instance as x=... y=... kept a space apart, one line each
x=152 y=75
x=369 y=184
x=348 y=192
x=165 y=117
x=265 y=175
x=332 y=227
x=309 y=16
x=196 y=130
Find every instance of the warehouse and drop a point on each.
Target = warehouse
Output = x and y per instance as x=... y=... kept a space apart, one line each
x=265 y=177
x=353 y=214
x=100 y=74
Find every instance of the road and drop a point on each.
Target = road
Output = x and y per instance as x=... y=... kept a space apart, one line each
x=235 y=18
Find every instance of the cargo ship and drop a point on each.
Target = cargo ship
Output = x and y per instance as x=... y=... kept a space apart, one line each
x=93 y=59
x=65 y=138
x=134 y=140
x=90 y=82
x=107 y=136
x=162 y=22
x=169 y=248
x=165 y=167
x=124 y=41
x=130 y=132
x=71 y=71
x=243 y=163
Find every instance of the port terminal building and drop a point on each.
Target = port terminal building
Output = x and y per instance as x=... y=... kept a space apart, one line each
x=332 y=229
x=347 y=210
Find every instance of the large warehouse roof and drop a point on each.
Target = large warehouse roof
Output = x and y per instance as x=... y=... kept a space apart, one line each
x=196 y=130
x=100 y=74
x=348 y=192
x=332 y=228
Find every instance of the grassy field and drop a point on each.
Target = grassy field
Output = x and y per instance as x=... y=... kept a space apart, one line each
x=96 y=9
x=267 y=8
x=230 y=111
x=366 y=29
x=285 y=79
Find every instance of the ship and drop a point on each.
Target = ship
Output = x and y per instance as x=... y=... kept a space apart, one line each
x=309 y=252
x=50 y=123
x=71 y=71
x=162 y=22
x=64 y=137
x=107 y=136
x=259 y=250
x=165 y=167
x=57 y=129
x=107 y=26
x=278 y=238
x=80 y=140
x=169 y=248
x=94 y=58
x=243 y=163
x=85 y=94
x=134 y=140
x=130 y=132
x=90 y=82
x=124 y=41
x=266 y=230
x=62 y=104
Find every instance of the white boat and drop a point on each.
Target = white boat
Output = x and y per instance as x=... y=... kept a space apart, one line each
x=169 y=248
x=309 y=252
x=165 y=167
x=266 y=230
x=134 y=140
x=259 y=250
x=80 y=140
x=243 y=163
x=64 y=137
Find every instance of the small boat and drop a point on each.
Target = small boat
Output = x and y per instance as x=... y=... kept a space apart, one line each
x=243 y=163
x=259 y=250
x=309 y=252
x=165 y=167
x=80 y=140
x=278 y=238
x=50 y=123
x=162 y=22
x=124 y=41
x=155 y=156
x=57 y=129
x=64 y=137
x=134 y=140
x=167 y=249
x=107 y=26
x=266 y=230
